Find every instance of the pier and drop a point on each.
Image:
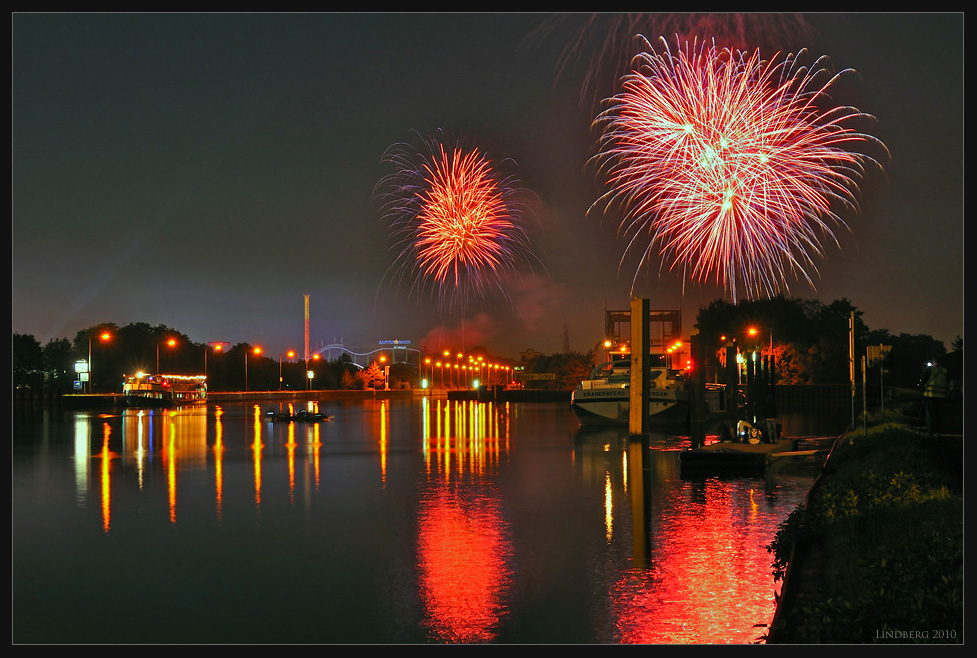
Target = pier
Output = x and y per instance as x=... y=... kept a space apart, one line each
x=741 y=458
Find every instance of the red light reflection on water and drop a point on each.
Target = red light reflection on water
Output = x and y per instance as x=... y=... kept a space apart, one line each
x=709 y=577
x=462 y=557
x=463 y=548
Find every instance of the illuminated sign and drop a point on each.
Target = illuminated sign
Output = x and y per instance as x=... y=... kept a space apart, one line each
x=395 y=343
x=877 y=353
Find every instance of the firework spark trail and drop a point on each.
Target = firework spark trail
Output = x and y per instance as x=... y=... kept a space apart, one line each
x=603 y=43
x=457 y=221
x=727 y=165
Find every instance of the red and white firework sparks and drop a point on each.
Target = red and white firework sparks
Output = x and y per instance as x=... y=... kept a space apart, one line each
x=728 y=165
x=457 y=220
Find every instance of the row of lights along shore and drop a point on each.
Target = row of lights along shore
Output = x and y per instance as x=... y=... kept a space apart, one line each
x=447 y=371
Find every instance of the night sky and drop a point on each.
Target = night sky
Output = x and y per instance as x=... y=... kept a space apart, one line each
x=207 y=171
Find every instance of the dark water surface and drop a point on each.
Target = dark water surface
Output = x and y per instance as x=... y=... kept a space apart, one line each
x=399 y=521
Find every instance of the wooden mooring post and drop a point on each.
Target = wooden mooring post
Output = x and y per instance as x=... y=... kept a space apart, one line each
x=697 y=392
x=640 y=368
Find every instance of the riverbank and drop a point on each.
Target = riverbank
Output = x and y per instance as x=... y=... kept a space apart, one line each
x=116 y=400
x=876 y=553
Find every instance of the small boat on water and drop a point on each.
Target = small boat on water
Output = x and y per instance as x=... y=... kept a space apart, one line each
x=302 y=415
x=604 y=398
x=143 y=390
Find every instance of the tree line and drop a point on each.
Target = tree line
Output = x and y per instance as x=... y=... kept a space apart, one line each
x=810 y=342
x=140 y=347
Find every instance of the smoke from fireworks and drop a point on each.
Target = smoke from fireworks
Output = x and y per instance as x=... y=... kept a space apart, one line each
x=457 y=220
x=726 y=164
x=603 y=43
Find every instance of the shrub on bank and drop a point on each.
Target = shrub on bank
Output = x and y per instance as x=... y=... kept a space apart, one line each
x=887 y=521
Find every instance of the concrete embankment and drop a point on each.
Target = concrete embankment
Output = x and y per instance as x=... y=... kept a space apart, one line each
x=113 y=400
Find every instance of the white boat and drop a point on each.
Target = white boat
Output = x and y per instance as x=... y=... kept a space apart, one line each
x=604 y=398
x=142 y=390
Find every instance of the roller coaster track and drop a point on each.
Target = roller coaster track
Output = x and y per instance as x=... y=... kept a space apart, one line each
x=333 y=351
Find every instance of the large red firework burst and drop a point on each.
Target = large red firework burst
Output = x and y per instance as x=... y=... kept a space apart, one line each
x=728 y=165
x=457 y=219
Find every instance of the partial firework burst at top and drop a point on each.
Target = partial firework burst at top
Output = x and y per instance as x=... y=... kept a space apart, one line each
x=457 y=220
x=602 y=45
x=728 y=166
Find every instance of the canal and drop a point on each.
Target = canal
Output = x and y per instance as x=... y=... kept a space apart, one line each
x=396 y=521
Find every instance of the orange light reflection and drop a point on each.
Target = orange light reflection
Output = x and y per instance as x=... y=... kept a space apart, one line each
x=256 y=450
x=169 y=458
x=464 y=437
x=106 y=456
x=219 y=460
x=290 y=447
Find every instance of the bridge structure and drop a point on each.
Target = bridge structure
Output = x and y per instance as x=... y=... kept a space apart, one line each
x=396 y=351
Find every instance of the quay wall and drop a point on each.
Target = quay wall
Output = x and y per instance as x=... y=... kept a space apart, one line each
x=116 y=400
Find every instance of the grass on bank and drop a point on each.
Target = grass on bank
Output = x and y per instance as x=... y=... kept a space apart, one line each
x=887 y=522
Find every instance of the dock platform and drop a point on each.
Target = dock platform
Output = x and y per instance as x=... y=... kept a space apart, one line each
x=738 y=458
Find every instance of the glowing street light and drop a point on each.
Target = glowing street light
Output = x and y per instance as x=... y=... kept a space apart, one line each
x=256 y=350
x=217 y=347
x=754 y=331
x=105 y=336
x=607 y=346
x=289 y=354
x=169 y=343
x=309 y=374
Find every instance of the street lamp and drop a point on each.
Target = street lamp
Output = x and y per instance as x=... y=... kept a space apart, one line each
x=753 y=331
x=103 y=338
x=607 y=345
x=309 y=374
x=385 y=370
x=218 y=347
x=169 y=343
x=256 y=350
x=289 y=354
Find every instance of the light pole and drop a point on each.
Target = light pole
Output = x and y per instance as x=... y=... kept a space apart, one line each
x=308 y=372
x=256 y=350
x=218 y=347
x=169 y=343
x=753 y=331
x=607 y=344
x=385 y=370
x=103 y=337
x=289 y=354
